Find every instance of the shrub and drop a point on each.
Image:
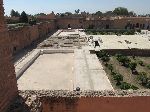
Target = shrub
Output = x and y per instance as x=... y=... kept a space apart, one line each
x=124 y=60
x=125 y=86
x=134 y=87
x=118 y=78
x=101 y=54
x=132 y=65
x=141 y=63
x=148 y=66
x=104 y=56
x=105 y=59
x=113 y=73
x=143 y=78
x=148 y=84
x=110 y=67
x=139 y=30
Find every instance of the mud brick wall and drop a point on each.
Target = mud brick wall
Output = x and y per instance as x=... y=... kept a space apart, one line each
x=8 y=83
x=24 y=36
x=129 y=52
x=87 y=101
x=97 y=104
x=45 y=28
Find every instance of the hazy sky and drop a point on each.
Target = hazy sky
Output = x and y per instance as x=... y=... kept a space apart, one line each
x=46 y=6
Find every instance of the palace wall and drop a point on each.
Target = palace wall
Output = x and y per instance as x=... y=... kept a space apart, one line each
x=87 y=101
x=24 y=36
x=8 y=83
x=129 y=52
x=97 y=104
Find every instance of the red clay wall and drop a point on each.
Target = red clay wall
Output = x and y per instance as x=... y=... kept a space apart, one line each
x=129 y=52
x=116 y=23
x=24 y=36
x=98 y=104
x=75 y=23
x=8 y=83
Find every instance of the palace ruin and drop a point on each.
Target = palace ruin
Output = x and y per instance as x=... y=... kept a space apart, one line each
x=63 y=72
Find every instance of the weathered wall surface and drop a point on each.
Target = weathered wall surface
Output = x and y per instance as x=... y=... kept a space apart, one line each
x=104 y=23
x=24 y=36
x=135 y=22
x=74 y=23
x=85 y=101
x=98 y=104
x=129 y=52
x=8 y=84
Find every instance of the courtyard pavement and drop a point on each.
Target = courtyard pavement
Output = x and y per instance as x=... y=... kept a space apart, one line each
x=64 y=71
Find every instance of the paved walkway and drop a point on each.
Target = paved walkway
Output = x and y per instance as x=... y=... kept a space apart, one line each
x=89 y=73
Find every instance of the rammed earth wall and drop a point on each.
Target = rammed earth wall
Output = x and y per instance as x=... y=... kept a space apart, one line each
x=87 y=101
x=24 y=36
x=129 y=52
x=8 y=83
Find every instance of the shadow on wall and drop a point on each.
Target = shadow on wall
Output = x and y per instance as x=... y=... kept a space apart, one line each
x=19 y=105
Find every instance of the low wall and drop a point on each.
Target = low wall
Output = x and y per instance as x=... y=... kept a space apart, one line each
x=33 y=56
x=87 y=101
x=129 y=52
x=24 y=36
x=97 y=104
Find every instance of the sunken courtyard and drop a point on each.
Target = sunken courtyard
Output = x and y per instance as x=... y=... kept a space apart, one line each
x=60 y=65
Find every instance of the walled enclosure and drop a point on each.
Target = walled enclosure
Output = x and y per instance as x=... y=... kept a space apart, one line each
x=103 y=23
x=8 y=83
x=57 y=101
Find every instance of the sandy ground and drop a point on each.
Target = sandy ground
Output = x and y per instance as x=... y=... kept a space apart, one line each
x=49 y=71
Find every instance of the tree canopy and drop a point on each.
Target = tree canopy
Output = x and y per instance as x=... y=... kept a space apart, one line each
x=24 y=17
x=40 y=14
x=121 y=11
x=14 y=13
x=98 y=13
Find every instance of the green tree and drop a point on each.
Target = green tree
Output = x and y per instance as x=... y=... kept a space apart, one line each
x=13 y=13
x=32 y=21
x=17 y=14
x=68 y=13
x=108 y=13
x=40 y=14
x=98 y=13
x=131 y=13
x=121 y=11
x=24 y=17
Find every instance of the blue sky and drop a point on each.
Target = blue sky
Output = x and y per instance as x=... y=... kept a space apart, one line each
x=46 y=6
